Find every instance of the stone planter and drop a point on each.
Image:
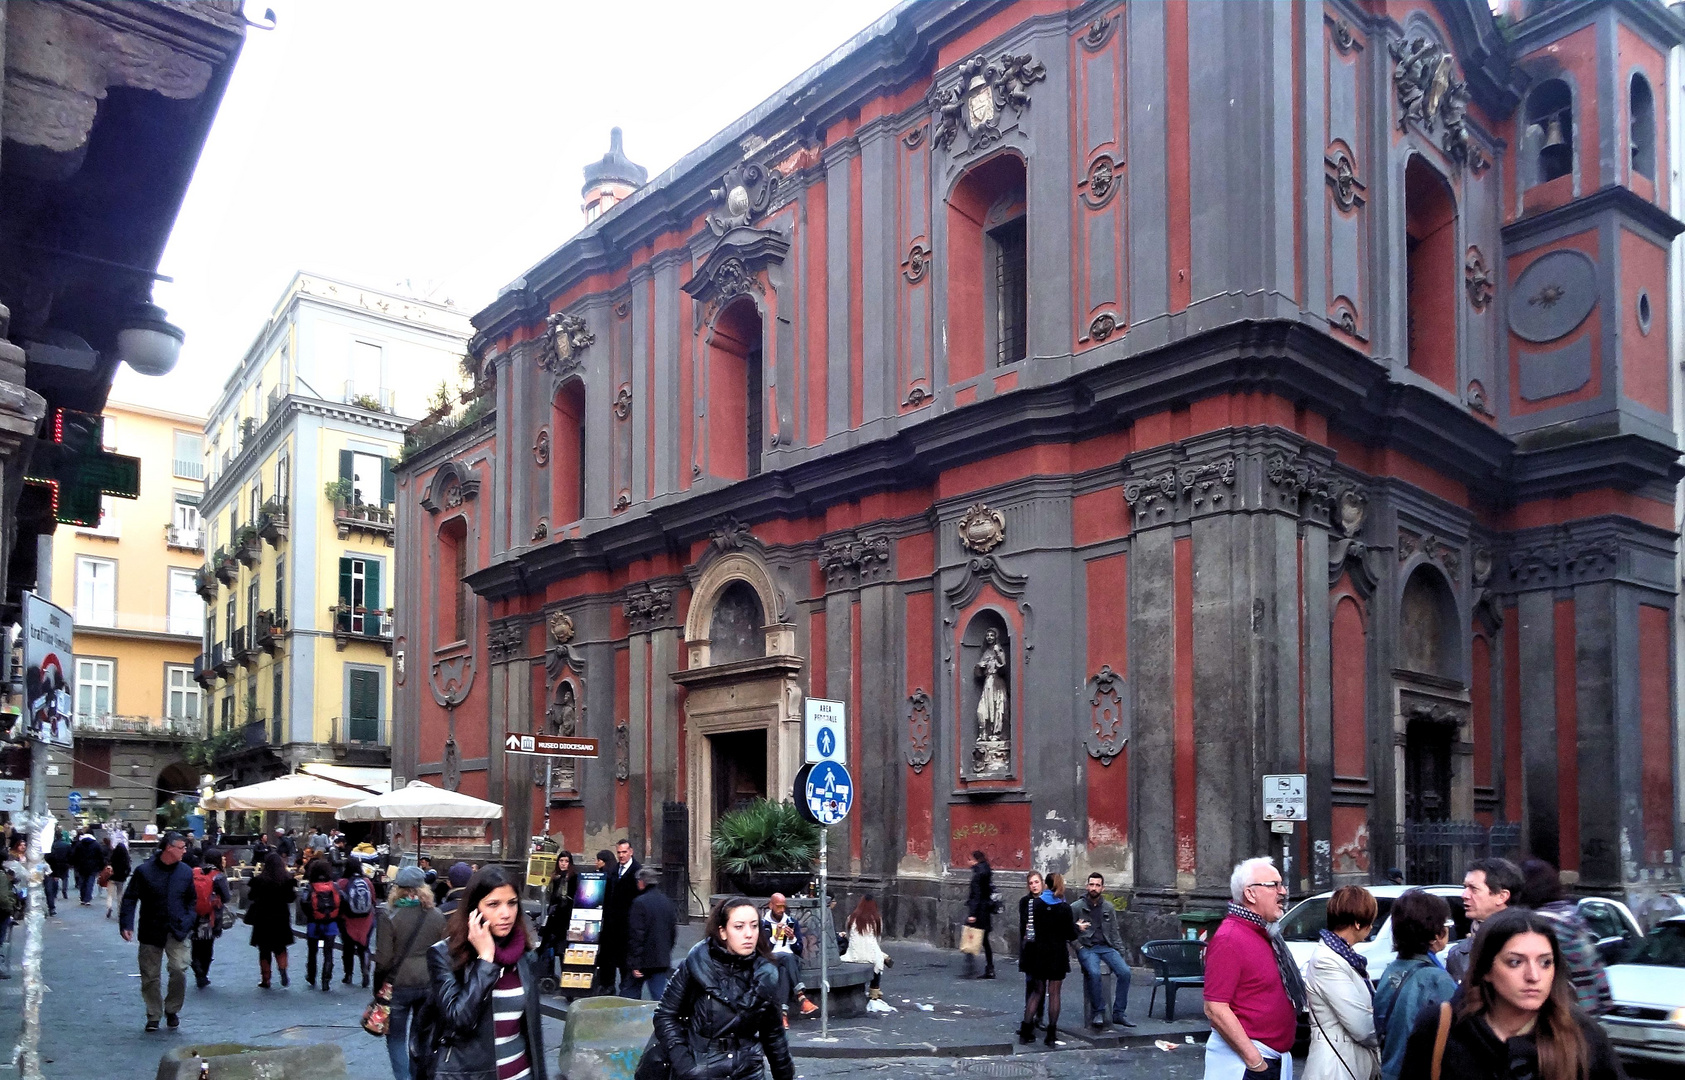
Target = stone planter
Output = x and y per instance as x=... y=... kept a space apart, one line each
x=234 y=1061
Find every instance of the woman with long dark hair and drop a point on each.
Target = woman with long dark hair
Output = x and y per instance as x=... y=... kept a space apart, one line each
x=1046 y=958
x=719 y=1019
x=269 y=912
x=1517 y=1014
x=484 y=989
x=865 y=932
x=558 y=910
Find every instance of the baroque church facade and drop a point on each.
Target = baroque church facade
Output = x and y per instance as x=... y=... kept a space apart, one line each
x=1112 y=405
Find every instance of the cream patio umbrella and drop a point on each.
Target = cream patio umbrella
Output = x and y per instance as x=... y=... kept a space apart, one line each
x=420 y=800
x=299 y=791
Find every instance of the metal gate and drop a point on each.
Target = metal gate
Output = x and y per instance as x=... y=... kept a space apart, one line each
x=1439 y=852
x=675 y=854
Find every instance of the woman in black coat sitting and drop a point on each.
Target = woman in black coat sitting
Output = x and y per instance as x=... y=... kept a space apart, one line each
x=485 y=991
x=1046 y=958
x=719 y=1017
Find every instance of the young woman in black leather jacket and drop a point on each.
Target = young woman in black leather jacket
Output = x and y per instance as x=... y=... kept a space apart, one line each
x=485 y=986
x=719 y=1019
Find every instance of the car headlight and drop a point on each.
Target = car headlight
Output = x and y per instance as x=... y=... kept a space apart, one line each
x=1677 y=1016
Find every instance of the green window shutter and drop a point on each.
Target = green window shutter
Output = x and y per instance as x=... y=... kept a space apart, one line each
x=371 y=587
x=364 y=703
x=346 y=464
x=388 y=483
x=344 y=581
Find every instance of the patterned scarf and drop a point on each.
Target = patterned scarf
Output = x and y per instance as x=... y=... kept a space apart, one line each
x=1291 y=981
x=1345 y=952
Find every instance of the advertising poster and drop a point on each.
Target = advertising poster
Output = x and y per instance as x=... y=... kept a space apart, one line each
x=585 y=931
x=590 y=892
x=48 y=666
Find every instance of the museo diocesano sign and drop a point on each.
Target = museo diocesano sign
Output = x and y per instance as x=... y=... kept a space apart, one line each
x=549 y=746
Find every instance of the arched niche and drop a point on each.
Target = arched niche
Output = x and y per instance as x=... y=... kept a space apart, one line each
x=1433 y=272
x=987 y=284
x=988 y=702
x=736 y=415
x=776 y=638
x=566 y=454
x=1429 y=639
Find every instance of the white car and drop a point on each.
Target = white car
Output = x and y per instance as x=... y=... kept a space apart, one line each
x=1648 y=1018
x=1608 y=920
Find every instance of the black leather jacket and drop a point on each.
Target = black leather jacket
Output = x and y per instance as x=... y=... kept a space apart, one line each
x=718 y=1018
x=464 y=1039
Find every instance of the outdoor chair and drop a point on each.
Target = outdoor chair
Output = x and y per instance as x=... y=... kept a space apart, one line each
x=1176 y=962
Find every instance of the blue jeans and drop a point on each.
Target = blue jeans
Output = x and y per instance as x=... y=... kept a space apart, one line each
x=1094 y=961
x=655 y=981
x=405 y=1000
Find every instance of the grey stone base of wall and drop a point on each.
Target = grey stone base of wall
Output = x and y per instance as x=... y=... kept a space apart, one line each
x=233 y=1061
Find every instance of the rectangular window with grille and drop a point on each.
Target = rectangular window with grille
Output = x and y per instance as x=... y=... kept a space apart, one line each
x=1011 y=252
x=359 y=595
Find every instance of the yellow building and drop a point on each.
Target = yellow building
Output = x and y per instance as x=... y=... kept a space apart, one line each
x=130 y=586
x=299 y=526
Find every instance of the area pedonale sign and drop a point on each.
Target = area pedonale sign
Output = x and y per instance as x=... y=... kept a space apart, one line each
x=549 y=746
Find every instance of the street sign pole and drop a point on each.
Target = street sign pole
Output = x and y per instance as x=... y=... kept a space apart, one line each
x=824 y=952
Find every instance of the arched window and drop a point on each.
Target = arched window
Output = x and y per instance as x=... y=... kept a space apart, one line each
x=1550 y=130
x=568 y=453
x=736 y=393
x=1427 y=631
x=1430 y=224
x=735 y=630
x=988 y=263
x=1641 y=115
x=456 y=596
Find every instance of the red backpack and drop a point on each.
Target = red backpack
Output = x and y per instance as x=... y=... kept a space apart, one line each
x=205 y=899
x=324 y=902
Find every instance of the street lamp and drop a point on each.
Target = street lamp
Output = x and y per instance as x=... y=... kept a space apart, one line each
x=148 y=342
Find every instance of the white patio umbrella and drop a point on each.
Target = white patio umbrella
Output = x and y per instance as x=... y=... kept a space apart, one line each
x=418 y=800
x=299 y=791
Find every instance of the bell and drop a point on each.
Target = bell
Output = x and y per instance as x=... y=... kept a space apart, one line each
x=1554 y=138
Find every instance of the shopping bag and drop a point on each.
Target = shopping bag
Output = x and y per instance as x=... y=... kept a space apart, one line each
x=971 y=941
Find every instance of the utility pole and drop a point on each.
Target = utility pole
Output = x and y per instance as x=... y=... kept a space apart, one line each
x=41 y=829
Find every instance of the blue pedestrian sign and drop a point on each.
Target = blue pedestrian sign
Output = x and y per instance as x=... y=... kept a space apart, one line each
x=824 y=723
x=75 y=802
x=827 y=743
x=829 y=792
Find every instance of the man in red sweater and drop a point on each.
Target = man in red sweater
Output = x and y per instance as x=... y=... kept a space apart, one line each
x=1253 y=992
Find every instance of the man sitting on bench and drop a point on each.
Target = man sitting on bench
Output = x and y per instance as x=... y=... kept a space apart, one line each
x=785 y=934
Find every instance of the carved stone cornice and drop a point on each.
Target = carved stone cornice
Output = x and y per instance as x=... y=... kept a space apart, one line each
x=733 y=269
x=646 y=607
x=1590 y=550
x=853 y=561
x=1431 y=547
x=505 y=639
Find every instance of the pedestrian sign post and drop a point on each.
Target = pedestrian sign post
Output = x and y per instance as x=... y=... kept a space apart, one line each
x=825 y=794
x=826 y=728
x=75 y=802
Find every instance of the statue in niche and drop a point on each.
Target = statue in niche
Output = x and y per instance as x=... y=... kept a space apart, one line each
x=992 y=755
x=563 y=715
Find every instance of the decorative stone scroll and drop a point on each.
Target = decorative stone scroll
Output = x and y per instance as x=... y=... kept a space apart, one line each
x=565 y=338
x=622 y=752
x=452 y=484
x=646 y=607
x=1429 y=93
x=1478 y=280
x=977 y=101
x=982 y=529
x=746 y=190
x=918 y=730
x=1109 y=715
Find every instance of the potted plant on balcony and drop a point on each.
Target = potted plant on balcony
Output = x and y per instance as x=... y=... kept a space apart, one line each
x=763 y=848
x=204 y=583
x=248 y=545
x=339 y=492
x=272 y=520
x=227 y=566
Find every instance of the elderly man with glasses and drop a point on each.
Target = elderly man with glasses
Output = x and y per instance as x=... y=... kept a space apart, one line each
x=1253 y=991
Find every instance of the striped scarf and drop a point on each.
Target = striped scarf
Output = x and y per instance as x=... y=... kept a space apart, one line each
x=1338 y=945
x=1291 y=981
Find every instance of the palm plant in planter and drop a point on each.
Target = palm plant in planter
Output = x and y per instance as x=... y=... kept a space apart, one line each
x=763 y=848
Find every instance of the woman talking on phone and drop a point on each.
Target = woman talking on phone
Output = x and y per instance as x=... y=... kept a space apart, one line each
x=484 y=990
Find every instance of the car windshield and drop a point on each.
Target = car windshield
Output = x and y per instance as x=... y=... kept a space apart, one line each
x=1663 y=948
x=1310 y=917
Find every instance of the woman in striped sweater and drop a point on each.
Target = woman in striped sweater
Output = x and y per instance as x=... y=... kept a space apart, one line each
x=485 y=989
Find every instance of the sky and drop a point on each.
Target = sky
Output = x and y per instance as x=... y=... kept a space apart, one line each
x=441 y=144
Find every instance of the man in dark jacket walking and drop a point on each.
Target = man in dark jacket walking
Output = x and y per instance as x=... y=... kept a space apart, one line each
x=162 y=887
x=88 y=860
x=651 y=928
x=617 y=909
x=58 y=861
x=980 y=908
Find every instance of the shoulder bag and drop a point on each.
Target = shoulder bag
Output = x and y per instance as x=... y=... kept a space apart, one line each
x=1439 y=1039
x=377 y=1018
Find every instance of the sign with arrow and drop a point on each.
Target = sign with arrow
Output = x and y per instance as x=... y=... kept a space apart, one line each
x=549 y=746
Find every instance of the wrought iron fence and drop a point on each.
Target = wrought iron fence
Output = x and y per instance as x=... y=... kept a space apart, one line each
x=1439 y=852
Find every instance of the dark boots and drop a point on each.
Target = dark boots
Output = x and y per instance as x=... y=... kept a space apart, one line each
x=1052 y=1035
x=1027 y=1032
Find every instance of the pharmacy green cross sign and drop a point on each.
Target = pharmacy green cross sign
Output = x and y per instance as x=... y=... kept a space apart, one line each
x=74 y=465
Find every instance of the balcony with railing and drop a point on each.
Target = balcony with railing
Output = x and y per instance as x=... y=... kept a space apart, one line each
x=360 y=624
x=203 y=673
x=272 y=520
x=222 y=660
x=188 y=468
x=226 y=565
x=353 y=731
x=184 y=539
x=381 y=400
x=248 y=545
x=268 y=628
x=142 y=727
x=352 y=516
x=204 y=583
x=242 y=642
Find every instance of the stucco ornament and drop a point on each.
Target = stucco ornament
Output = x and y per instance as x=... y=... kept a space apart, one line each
x=1108 y=704
x=1429 y=92
x=560 y=624
x=982 y=529
x=991 y=755
x=565 y=337
x=746 y=190
x=918 y=730
x=981 y=95
x=1478 y=279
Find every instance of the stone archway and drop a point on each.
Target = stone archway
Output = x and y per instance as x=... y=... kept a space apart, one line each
x=742 y=701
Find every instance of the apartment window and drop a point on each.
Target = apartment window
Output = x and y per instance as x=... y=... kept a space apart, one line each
x=186 y=612
x=91 y=766
x=189 y=456
x=372 y=480
x=1641 y=114
x=277 y=684
x=182 y=696
x=228 y=710
x=251 y=698
x=280 y=589
x=96 y=591
x=362 y=706
x=96 y=682
x=1011 y=289
x=256 y=500
x=359 y=591
x=365 y=380
x=232 y=618
x=281 y=477
x=109 y=527
x=185 y=515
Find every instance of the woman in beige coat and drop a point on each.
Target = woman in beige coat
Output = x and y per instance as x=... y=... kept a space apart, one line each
x=1342 y=1004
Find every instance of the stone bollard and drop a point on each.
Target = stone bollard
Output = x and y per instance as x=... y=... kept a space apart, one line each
x=604 y=1038
x=234 y=1061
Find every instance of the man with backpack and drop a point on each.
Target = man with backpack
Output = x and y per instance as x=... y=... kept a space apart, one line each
x=210 y=895
x=321 y=920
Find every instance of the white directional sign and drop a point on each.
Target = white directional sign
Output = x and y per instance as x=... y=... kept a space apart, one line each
x=1284 y=797
x=827 y=731
x=830 y=792
x=549 y=745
